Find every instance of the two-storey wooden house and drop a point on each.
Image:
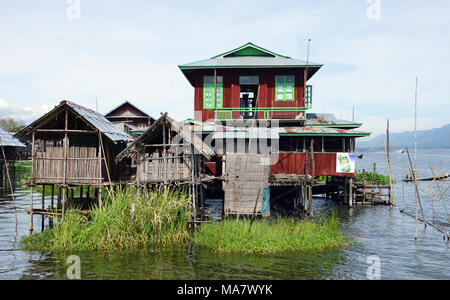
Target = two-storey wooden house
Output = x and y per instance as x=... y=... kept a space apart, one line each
x=250 y=85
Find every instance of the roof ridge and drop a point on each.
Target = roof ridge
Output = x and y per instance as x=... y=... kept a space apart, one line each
x=81 y=106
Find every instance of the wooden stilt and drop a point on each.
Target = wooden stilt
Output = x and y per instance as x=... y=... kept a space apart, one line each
x=313 y=167
x=52 y=204
x=43 y=207
x=59 y=204
x=66 y=145
x=32 y=181
x=100 y=204
x=350 y=196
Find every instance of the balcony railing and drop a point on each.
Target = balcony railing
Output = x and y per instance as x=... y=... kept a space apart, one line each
x=261 y=113
x=266 y=113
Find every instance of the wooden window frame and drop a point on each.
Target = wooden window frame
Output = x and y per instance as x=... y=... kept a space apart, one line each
x=285 y=85
x=212 y=87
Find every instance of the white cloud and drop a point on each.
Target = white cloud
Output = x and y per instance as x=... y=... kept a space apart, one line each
x=118 y=52
x=24 y=113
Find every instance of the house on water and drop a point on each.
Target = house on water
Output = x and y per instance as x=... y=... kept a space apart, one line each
x=74 y=146
x=130 y=118
x=262 y=98
x=170 y=154
x=9 y=147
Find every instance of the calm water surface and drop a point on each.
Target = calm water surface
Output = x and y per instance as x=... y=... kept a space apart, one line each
x=393 y=242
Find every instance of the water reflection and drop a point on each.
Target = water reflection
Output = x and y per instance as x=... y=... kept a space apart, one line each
x=392 y=241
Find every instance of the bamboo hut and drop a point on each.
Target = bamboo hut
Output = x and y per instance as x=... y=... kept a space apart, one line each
x=8 y=152
x=170 y=154
x=74 y=146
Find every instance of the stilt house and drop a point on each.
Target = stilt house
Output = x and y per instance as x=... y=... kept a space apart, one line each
x=250 y=86
x=169 y=153
x=74 y=146
x=130 y=118
x=8 y=153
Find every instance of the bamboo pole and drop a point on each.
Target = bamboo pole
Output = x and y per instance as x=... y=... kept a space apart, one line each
x=53 y=196
x=165 y=154
x=391 y=195
x=254 y=210
x=374 y=172
x=33 y=154
x=413 y=176
x=43 y=207
x=66 y=143
x=350 y=197
x=100 y=183
x=313 y=166
x=9 y=179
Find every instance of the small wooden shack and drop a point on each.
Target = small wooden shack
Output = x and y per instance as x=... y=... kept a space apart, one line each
x=74 y=146
x=130 y=118
x=169 y=153
x=8 y=153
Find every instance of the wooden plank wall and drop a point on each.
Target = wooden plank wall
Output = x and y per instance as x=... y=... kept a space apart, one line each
x=151 y=168
x=82 y=166
x=294 y=163
x=232 y=89
x=246 y=175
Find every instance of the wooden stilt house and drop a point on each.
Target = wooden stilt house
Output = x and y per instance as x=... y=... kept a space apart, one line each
x=74 y=146
x=166 y=153
x=169 y=153
x=8 y=152
x=250 y=86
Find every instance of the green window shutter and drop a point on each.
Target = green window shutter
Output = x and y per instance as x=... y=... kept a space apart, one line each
x=209 y=93
x=284 y=88
x=308 y=100
x=289 y=88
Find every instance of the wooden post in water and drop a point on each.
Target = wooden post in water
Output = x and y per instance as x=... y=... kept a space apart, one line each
x=43 y=207
x=254 y=210
x=364 y=185
x=100 y=183
x=391 y=195
x=52 y=203
x=391 y=192
x=66 y=143
x=374 y=172
x=52 y=206
x=413 y=177
x=33 y=157
x=59 y=205
x=313 y=166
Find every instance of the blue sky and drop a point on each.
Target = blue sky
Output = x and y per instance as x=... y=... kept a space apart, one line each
x=129 y=50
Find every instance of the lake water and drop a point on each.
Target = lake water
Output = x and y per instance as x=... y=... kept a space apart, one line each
x=400 y=255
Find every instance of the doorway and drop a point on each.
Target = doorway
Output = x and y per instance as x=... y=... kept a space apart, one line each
x=249 y=94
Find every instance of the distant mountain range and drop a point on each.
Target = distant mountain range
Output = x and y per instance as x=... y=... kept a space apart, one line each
x=433 y=138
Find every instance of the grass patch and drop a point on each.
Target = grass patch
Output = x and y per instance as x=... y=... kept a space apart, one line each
x=380 y=179
x=283 y=235
x=127 y=220
x=130 y=220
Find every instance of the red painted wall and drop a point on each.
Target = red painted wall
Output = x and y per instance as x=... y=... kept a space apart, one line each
x=231 y=91
x=294 y=163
